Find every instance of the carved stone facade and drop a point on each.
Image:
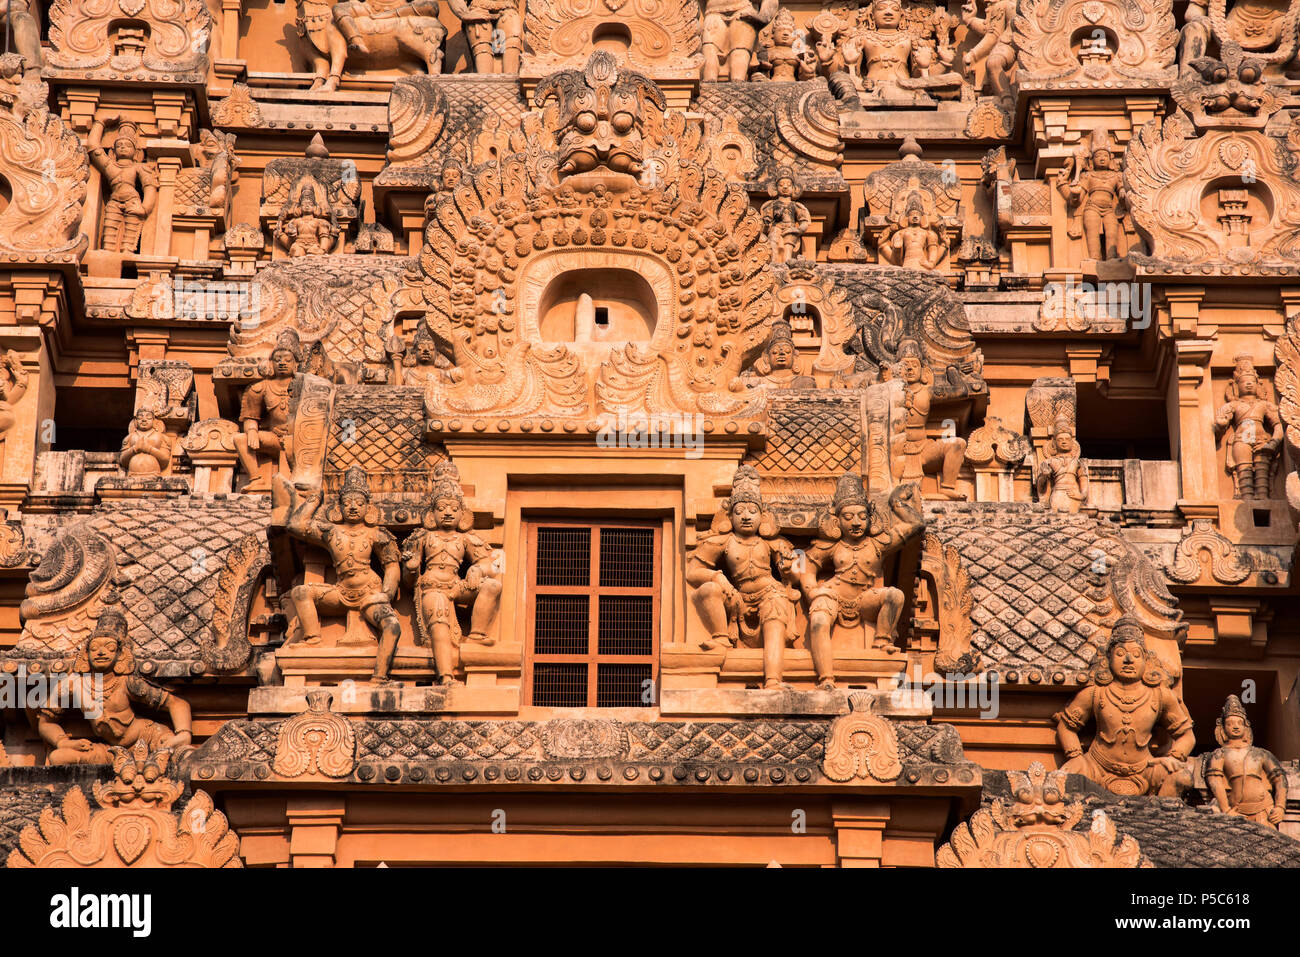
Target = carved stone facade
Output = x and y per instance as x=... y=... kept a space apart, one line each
x=406 y=404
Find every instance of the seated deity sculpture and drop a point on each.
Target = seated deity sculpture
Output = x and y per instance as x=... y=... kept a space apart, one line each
x=433 y=558
x=422 y=362
x=893 y=64
x=103 y=685
x=264 y=412
x=1245 y=780
x=1127 y=700
x=307 y=225
x=494 y=30
x=1093 y=188
x=742 y=579
x=1254 y=431
x=731 y=29
x=132 y=184
x=147 y=449
x=376 y=33
x=854 y=542
x=776 y=368
x=352 y=536
x=785 y=218
x=913 y=454
x=913 y=241
x=1062 y=478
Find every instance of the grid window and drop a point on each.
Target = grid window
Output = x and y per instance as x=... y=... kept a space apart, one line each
x=593 y=614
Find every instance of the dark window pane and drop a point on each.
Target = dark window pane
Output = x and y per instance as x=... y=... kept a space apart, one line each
x=626 y=625
x=559 y=686
x=627 y=557
x=562 y=625
x=622 y=686
x=564 y=556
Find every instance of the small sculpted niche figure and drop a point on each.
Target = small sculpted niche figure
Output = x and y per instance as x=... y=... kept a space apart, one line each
x=742 y=575
x=104 y=686
x=132 y=184
x=854 y=543
x=776 y=367
x=1062 y=479
x=422 y=361
x=913 y=454
x=433 y=557
x=913 y=241
x=147 y=448
x=1093 y=188
x=785 y=218
x=782 y=54
x=352 y=536
x=1127 y=700
x=731 y=29
x=1254 y=431
x=303 y=228
x=264 y=412
x=1245 y=780
x=495 y=32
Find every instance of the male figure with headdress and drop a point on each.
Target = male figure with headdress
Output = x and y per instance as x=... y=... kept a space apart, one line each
x=264 y=410
x=147 y=448
x=132 y=183
x=731 y=29
x=775 y=368
x=785 y=218
x=1254 y=427
x=1094 y=190
x=302 y=227
x=1128 y=700
x=1245 y=780
x=854 y=542
x=104 y=686
x=1062 y=478
x=912 y=240
x=433 y=558
x=742 y=576
x=353 y=537
x=913 y=454
x=421 y=362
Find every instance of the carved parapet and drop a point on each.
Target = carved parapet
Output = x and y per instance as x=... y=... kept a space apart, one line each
x=46 y=169
x=1247 y=224
x=1112 y=45
x=151 y=41
x=135 y=824
x=1036 y=829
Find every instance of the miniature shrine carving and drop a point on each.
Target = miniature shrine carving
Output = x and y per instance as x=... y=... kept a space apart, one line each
x=433 y=557
x=308 y=224
x=742 y=579
x=1244 y=780
x=106 y=691
x=1127 y=700
x=915 y=211
x=153 y=39
x=1253 y=429
x=853 y=544
x=132 y=184
x=1087 y=44
x=352 y=536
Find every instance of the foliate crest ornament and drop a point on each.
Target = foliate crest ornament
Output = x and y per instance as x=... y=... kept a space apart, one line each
x=167 y=37
x=46 y=167
x=663 y=35
x=1225 y=566
x=134 y=826
x=861 y=746
x=1036 y=829
x=1124 y=44
x=316 y=742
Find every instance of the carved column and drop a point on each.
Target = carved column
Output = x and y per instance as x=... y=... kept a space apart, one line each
x=1193 y=429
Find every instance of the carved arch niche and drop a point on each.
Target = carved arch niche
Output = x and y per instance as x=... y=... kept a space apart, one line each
x=658 y=37
x=820 y=319
x=1095 y=44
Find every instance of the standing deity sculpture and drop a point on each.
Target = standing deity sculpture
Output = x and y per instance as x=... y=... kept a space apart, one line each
x=264 y=412
x=913 y=240
x=776 y=368
x=784 y=217
x=104 y=687
x=495 y=33
x=1245 y=780
x=433 y=558
x=147 y=449
x=25 y=31
x=855 y=541
x=1128 y=700
x=913 y=454
x=731 y=29
x=1093 y=187
x=132 y=184
x=996 y=46
x=352 y=536
x=375 y=33
x=307 y=224
x=783 y=47
x=742 y=579
x=1062 y=478
x=1254 y=430
x=13 y=386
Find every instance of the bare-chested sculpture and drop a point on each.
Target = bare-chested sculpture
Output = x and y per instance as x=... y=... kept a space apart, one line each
x=1245 y=780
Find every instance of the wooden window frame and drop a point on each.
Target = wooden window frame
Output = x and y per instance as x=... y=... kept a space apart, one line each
x=593 y=659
